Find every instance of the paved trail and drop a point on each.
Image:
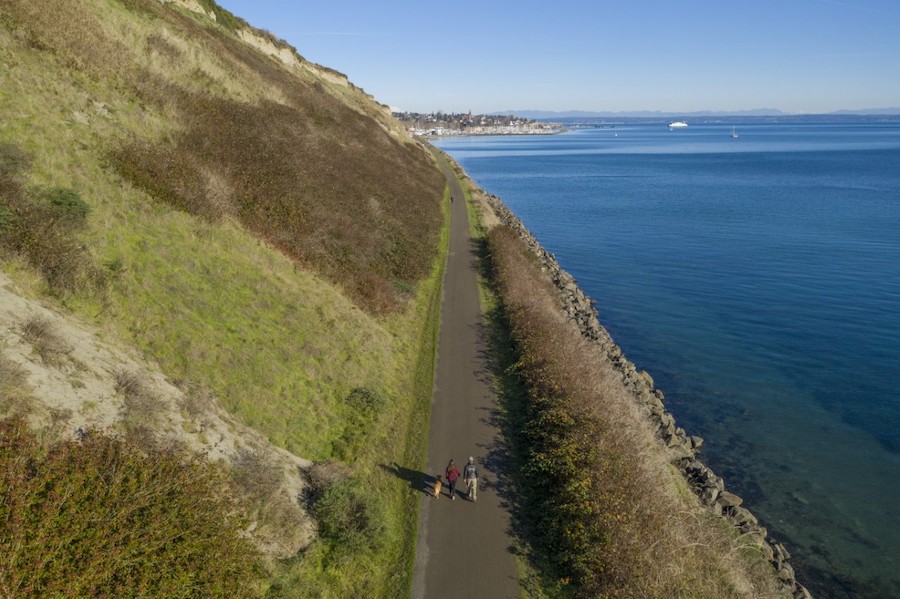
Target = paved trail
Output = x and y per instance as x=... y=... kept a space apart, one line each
x=464 y=549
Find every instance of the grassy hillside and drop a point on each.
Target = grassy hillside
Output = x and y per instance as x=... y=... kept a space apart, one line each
x=258 y=227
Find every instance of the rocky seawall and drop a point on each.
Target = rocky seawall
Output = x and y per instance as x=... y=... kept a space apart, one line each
x=682 y=448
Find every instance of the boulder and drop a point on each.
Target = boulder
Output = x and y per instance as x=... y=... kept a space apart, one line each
x=743 y=517
x=801 y=593
x=709 y=495
x=785 y=572
x=729 y=499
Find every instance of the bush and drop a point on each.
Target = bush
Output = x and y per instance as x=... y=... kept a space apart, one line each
x=7 y=219
x=13 y=160
x=104 y=517
x=68 y=207
x=41 y=231
x=348 y=517
x=41 y=333
x=63 y=261
x=605 y=513
x=256 y=475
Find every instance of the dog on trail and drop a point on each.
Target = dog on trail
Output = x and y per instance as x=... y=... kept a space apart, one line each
x=436 y=492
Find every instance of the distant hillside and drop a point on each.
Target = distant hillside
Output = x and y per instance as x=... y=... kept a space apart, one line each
x=254 y=243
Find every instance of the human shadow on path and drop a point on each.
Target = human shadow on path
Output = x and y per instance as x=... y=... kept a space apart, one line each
x=418 y=481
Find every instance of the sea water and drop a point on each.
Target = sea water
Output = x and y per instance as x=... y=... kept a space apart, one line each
x=757 y=279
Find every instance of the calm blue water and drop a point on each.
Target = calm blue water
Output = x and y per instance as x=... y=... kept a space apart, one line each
x=758 y=280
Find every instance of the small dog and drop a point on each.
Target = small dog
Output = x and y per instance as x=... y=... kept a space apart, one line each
x=437 y=486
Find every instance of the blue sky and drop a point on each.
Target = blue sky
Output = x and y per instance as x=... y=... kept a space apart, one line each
x=799 y=56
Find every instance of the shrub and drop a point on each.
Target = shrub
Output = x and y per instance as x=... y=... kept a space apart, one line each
x=103 y=517
x=64 y=263
x=351 y=519
x=68 y=207
x=602 y=507
x=41 y=333
x=13 y=160
x=7 y=220
x=255 y=475
x=42 y=231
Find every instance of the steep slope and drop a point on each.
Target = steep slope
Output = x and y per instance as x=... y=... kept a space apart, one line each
x=237 y=133
x=230 y=217
x=66 y=378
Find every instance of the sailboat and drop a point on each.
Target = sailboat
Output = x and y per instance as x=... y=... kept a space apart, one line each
x=734 y=135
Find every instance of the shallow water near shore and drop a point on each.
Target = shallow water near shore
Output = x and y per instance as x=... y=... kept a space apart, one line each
x=757 y=279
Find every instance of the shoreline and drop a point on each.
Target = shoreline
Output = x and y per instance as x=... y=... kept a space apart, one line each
x=682 y=448
x=439 y=132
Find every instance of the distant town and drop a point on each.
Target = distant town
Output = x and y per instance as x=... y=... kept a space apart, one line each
x=439 y=124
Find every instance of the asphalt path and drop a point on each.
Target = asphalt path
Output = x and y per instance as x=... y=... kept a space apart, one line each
x=464 y=548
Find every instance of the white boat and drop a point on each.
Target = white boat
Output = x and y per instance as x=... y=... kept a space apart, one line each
x=677 y=125
x=734 y=135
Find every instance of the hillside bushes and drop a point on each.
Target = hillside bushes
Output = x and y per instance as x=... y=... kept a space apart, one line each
x=314 y=179
x=327 y=185
x=105 y=517
x=295 y=160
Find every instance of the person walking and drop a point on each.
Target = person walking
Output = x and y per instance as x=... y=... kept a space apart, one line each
x=452 y=476
x=470 y=475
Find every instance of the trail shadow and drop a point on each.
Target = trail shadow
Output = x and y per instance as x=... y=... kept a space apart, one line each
x=418 y=481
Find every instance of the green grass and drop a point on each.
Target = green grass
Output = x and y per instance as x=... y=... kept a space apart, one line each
x=278 y=346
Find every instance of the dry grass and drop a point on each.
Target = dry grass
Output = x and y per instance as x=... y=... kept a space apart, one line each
x=143 y=408
x=41 y=333
x=15 y=395
x=197 y=401
x=607 y=510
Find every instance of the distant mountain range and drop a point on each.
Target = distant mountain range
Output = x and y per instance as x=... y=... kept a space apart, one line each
x=704 y=114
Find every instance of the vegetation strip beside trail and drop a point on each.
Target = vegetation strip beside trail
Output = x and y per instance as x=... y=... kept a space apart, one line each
x=599 y=510
x=416 y=448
